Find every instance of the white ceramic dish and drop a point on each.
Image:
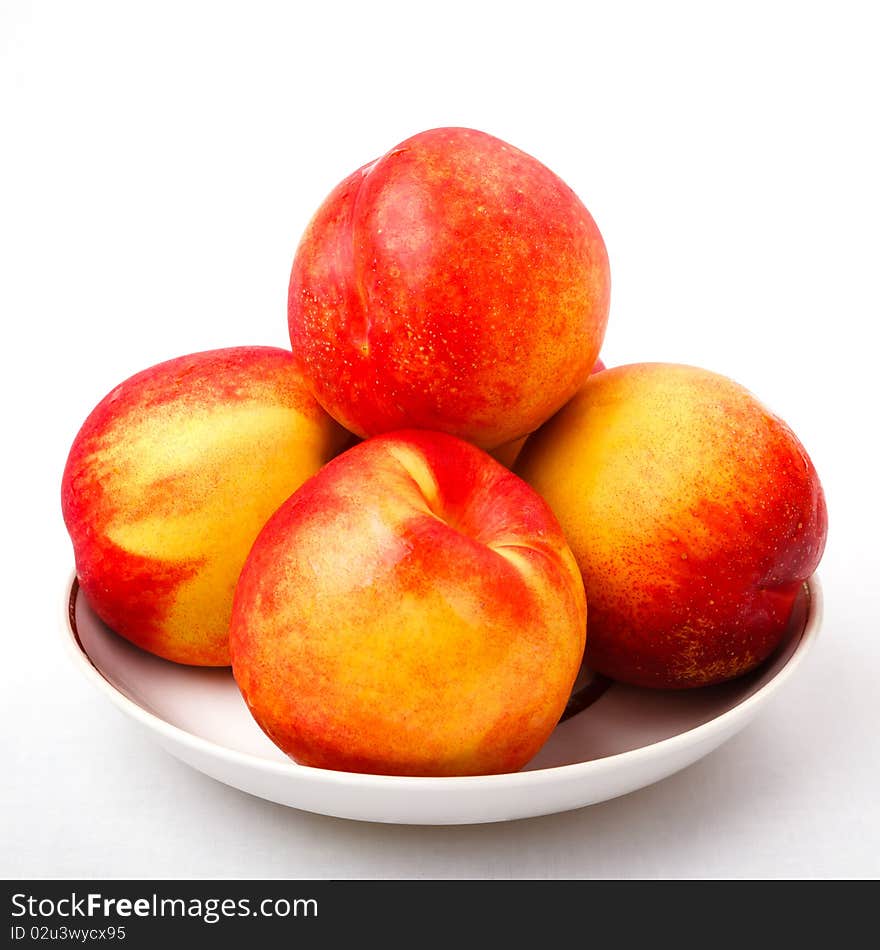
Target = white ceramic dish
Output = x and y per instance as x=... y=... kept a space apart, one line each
x=624 y=739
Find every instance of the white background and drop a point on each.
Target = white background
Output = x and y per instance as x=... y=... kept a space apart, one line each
x=158 y=163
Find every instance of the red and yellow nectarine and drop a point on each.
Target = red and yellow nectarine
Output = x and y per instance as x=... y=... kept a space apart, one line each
x=454 y=284
x=413 y=609
x=695 y=516
x=170 y=479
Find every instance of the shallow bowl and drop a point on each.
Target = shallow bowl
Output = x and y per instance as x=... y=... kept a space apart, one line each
x=615 y=739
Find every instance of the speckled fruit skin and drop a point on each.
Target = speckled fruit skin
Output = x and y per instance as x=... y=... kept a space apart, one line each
x=413 y=609
x=171 y=478
x=508 y=453
x=695 y=516
x=454 y=284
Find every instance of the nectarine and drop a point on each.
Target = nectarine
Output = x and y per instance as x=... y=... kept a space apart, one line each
x=695 y=516
x=454 y=284
x=413 y=609
x=170 y=479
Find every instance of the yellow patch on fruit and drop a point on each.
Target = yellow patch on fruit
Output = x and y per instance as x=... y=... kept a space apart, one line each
x=177 y=477
x=616 y=416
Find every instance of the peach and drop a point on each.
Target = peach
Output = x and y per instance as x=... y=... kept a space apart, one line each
x=454 y=284
x=695 y=516
x=413 y=609
x=171 y=478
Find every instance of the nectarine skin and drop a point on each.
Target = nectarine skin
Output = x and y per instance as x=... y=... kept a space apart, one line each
x=508 y=453
x=169 y=481
x=454 y=284
x=413 y=609
x=695 y=516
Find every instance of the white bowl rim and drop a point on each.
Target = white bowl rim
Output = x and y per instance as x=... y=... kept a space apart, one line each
x=534 y=778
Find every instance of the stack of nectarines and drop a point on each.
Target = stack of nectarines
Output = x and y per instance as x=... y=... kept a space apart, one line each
x=408 y=604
